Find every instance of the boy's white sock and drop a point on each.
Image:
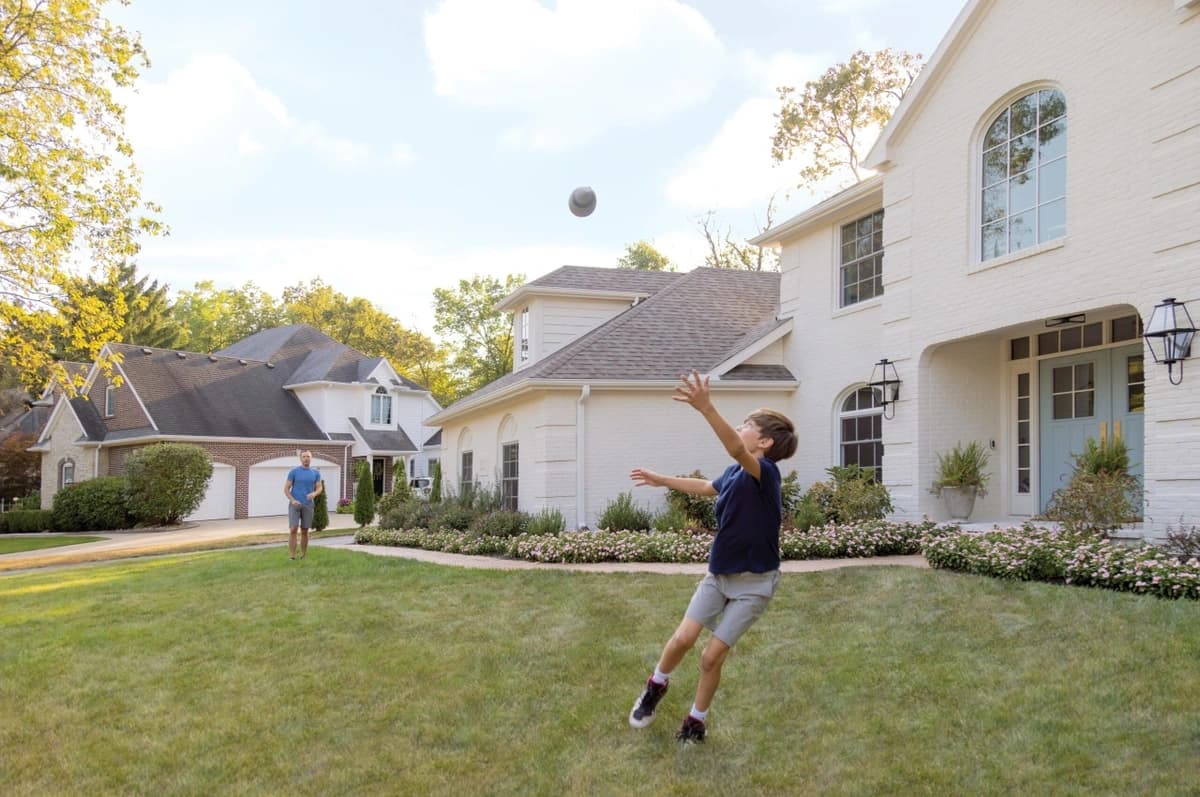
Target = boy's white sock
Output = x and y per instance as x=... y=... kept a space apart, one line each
x=697 y=713
x=660 y=677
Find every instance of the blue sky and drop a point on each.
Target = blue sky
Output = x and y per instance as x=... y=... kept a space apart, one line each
x=389 y=148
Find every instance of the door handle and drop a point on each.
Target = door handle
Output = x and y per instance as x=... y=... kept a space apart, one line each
x=1103 y=432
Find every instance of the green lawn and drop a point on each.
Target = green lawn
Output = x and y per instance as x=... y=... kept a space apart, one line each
x=18 y=544
x=242 y=672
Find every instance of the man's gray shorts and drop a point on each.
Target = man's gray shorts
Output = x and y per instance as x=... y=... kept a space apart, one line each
x=738 y=599
x=300 y=516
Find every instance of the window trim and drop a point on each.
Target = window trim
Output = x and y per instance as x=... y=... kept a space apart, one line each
x=466 y=485
x=515 y=479
x=839 y=413
x=62 y=471
x=110 y=401
x=523 y=336
x=975 y=261
x=381 y=393
x=855 y=218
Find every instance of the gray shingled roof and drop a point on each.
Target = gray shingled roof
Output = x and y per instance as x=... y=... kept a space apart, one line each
x=380 y=441
x=606 y=279
x=758 y=372
x=701 y=319
x=309 y=355
x=435 y=439
x=89 y=417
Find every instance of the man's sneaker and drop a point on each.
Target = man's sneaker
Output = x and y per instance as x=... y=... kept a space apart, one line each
x=691 y=732
x=643 y=710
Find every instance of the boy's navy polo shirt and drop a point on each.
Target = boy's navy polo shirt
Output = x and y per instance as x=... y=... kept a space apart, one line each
x=748 y=516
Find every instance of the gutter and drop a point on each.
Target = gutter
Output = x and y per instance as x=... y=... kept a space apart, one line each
x=580 y=453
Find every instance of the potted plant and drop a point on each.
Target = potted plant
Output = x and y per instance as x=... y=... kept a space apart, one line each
x=961 y=478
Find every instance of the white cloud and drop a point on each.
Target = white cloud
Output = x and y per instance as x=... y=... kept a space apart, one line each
x=213 y=107
x=402 y=155
x=573 y=70
x=398 y=276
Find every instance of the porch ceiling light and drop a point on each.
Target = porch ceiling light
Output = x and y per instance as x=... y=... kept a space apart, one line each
x=887 y=382
x=1169 y=335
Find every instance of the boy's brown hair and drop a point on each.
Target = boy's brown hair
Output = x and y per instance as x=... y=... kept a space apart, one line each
x=776 y=426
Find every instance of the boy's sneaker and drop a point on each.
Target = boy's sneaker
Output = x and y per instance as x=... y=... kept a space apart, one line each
x=691 y=732
x=643 y=710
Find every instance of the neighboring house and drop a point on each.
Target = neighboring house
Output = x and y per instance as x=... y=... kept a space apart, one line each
x=598 y=354
x=1038 y=193
x=253 y=406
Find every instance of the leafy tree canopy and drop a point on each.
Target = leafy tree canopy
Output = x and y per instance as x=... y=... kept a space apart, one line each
x=643 y=256
x=69 y=192
x=482 y=337
x=211 y=319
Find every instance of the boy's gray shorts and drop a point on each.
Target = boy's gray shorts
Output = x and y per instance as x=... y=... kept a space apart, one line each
x=737 y=598
x=301 y=516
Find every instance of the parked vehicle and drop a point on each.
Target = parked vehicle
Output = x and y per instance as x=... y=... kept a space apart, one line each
x=421 y=486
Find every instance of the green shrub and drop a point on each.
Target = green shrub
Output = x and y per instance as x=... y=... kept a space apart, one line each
x=166 y=482
x=320 y=512
x=1110 y=456
x=850 y=496
x=670 y=519
x=31 y=501
x=699 y=509
x=364 y=495
x=455 y=514
x=92 y=505
x=25 y=521
x=622 y=514
x=500 y=523
x=807 y=514
x=790 y=492
x=389 y=501
x=406 y=515
x=484 y=499
x=435 y=490
x=401 y=489
x=963 y=466
x=1095 y=503
x=548 y=521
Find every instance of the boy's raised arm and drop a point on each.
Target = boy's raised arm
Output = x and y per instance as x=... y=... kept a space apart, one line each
x=643 y=477
x=695 y=392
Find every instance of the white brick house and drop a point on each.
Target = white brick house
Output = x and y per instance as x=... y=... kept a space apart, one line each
x=1037 y=193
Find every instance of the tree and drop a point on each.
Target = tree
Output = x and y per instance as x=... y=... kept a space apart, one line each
x=726 y=252
x=435 y=490
x=320 y=520
x=829 y=121
x=141 y=307
x=166 y=482
x=20 y=469
x=644 y=257
x=482 y=336
x=212 y=319
x=68 y=189
x=364 y=495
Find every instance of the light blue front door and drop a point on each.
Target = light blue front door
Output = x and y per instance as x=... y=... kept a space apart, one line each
x=1088 y=395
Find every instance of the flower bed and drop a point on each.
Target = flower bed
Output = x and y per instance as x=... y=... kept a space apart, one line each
x=1032 y=553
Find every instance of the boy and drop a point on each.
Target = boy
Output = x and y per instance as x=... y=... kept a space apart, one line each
x=743 y=564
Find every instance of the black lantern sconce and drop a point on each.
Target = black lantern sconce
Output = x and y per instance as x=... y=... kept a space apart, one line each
x=885 y=379
x=1169 y=335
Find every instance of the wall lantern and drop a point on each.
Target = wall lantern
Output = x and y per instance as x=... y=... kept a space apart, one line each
x=1169 y=335
x=884 y=377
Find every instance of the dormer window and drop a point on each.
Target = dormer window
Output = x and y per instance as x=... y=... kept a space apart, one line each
x=525 y=334
x=110 y=401
x=381 y=407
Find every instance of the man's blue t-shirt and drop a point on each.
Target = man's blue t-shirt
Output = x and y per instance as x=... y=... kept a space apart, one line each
x=304 y=481
x=749 y=512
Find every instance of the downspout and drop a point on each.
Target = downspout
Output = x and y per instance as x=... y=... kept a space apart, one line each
x=345 y=475
x=580 y=457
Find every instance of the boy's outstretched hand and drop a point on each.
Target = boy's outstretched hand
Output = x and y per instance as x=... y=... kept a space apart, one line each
x=694 y=391
x=645 y=478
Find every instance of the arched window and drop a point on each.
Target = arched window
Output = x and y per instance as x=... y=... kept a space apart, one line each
x=860 y=423
x=381 y=406
x=66 y=472
x=1024 y=168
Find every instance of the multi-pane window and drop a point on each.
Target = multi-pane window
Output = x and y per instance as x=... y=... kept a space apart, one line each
x=1135 y=383
x=1074 y=391
x=1025 y=174
x=381 y=407
x=66 y=473
x=862 y=259
x=110 y=401
x=861 y=426
x=509 y=475
x=1070 y=338
x=525 y=334
x=1024 y=443
x=466 y=473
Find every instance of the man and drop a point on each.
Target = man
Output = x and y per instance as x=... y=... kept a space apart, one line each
x=302 y=486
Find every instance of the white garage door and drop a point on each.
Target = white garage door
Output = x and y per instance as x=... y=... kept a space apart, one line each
x=218 y=501
x=267 y=478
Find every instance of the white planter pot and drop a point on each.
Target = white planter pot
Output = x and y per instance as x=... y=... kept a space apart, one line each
x=960 y=501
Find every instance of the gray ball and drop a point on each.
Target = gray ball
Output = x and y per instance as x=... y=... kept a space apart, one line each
x=582 y=201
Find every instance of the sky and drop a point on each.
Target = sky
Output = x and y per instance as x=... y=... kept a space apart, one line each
x=391 y=148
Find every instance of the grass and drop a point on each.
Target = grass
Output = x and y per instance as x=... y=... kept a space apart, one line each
x=19 y=544
x=352 y=674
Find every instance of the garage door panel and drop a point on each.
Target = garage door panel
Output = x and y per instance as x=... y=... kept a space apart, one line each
x=219 y=498
x=267 y=480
